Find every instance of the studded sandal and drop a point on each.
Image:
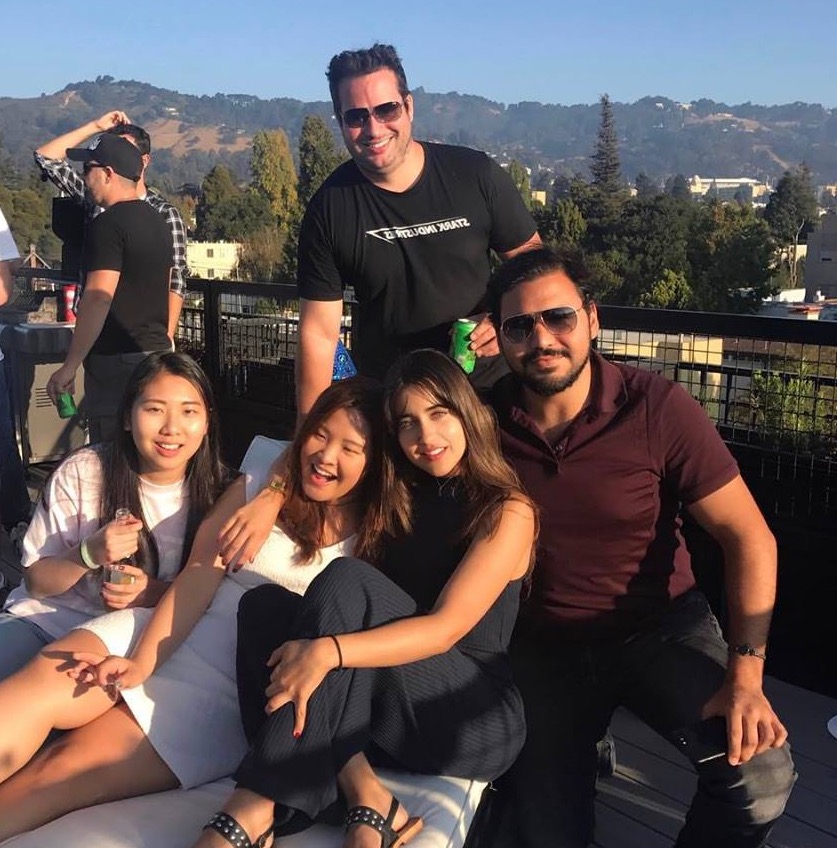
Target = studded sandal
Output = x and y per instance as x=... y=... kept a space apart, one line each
x=234 y=833
x=390 y=837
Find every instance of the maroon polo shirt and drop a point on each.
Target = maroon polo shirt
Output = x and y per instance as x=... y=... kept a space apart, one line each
x=611 y=554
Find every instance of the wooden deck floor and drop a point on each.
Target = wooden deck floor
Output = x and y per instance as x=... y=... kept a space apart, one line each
x=643 y=804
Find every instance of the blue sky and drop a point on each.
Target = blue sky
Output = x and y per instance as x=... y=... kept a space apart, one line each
x=553 y=52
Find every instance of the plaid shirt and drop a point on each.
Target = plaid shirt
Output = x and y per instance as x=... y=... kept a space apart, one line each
x=63 y=175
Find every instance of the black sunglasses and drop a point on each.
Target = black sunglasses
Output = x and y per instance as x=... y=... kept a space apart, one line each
x=559 y=321
x=383 y=113
x=87 y=167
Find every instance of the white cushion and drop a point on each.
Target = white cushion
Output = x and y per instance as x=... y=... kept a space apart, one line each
x=174 y=819
x=260 y=455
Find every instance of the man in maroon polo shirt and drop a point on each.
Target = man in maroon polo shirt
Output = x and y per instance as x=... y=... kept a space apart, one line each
x=610 y=454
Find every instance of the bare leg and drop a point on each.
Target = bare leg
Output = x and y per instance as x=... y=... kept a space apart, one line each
x=362 y=787
x=41 y=697
x=106 y=760
x=254 y=814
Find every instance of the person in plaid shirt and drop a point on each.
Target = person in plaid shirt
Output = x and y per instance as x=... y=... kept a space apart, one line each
x=51 y=158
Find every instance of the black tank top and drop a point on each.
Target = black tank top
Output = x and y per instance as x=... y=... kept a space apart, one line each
x=422 y=562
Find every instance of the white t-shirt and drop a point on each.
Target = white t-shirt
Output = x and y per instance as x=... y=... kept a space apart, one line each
x=8 y=248
x=74 y=498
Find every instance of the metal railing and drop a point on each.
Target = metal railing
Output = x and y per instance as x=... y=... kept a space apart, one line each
x=769 y=384
x=245 y=337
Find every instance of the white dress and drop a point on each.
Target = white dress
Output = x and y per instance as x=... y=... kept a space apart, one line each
x=188 y=708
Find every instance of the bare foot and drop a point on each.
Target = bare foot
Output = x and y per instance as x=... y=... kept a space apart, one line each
x=254 y=814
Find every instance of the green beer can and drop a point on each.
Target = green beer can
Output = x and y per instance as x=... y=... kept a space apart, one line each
x=459 y=341
x=66 y=405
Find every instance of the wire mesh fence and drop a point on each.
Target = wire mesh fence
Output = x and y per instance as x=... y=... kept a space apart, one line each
x=769 y=384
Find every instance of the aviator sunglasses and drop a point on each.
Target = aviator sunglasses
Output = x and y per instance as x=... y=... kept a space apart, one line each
x=559 y=320
x=384 y=113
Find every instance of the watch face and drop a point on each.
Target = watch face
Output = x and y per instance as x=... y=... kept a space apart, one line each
x=746 y=650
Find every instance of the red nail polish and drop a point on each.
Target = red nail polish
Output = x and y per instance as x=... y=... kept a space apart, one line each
x=297 y=734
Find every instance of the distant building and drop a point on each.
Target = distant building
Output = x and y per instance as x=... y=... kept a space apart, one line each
x=725 y=188
x=539 y=196
x=213 y=260
x=821 y=261
x=791 y=303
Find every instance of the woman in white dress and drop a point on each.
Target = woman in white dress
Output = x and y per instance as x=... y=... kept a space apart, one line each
x=180 y=725
x=164 y=466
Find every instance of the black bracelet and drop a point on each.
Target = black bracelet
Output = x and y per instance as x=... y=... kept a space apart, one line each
x=339 y=652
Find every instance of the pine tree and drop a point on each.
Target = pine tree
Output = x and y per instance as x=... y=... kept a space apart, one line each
x=520 y=177
x=217 y=188
x=605 y=169
x=274 y=176
x=791 y=212
x=318 y=157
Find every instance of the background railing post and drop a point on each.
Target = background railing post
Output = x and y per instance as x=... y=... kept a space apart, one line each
x=212 y=331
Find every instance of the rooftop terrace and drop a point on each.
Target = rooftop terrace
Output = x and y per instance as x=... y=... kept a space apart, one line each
x=769 y=385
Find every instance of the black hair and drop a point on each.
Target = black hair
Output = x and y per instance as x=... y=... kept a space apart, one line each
x=141 y=138
x=206 y=475
x=359 y=63
x=532 y=264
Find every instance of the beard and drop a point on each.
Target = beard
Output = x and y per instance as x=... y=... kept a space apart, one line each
x=547 y=385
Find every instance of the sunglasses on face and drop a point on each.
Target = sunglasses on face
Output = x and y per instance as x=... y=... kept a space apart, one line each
x=383 y=113
x=560 y=321
x=87 y=167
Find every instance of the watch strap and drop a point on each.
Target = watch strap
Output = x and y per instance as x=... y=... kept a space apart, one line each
x=746 y=650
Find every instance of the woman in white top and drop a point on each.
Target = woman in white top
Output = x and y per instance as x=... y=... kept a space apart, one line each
x=181 y=726
x=164 y=466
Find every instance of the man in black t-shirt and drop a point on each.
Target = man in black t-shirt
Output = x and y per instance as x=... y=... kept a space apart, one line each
x=408 y=225
x=123 y=315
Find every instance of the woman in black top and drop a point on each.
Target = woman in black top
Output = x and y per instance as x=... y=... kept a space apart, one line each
x=401 y=665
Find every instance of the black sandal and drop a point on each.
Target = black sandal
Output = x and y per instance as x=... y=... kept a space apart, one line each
x=234 y=833
x=390 y=837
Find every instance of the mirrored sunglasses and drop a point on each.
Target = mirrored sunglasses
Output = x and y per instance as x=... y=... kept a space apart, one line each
x=559 y=321
x=383 y=113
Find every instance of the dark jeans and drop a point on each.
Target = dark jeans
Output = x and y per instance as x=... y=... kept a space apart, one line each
x=14 y=496
x=664 y=675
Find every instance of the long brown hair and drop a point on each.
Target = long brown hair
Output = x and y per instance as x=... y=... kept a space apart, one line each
x=304 y=520
x=489 y=480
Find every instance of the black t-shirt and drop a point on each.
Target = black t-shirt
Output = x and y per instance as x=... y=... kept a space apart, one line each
x=134 y=239
x=418 y=259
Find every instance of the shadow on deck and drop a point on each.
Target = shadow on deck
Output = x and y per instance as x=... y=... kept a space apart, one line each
x=643 y=804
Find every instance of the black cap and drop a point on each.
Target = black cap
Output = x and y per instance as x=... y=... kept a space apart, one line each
x=113 y=151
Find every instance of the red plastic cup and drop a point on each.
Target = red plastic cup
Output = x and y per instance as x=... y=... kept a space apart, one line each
x=68 y=295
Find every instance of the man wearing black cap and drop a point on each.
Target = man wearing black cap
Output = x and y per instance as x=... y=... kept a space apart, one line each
x=51 y=159
x=123 y=314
